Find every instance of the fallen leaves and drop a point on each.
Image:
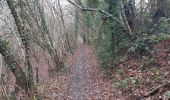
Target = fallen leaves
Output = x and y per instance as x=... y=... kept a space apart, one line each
x=140 y=76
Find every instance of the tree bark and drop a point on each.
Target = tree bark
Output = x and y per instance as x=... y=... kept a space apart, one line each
x=13 y=65
x=24 y=37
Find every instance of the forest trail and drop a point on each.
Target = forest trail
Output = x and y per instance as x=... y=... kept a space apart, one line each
x=85 y=81
x=77 y=83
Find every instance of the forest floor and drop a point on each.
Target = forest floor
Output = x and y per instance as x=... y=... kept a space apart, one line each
x=144 y=78
x=84 y=81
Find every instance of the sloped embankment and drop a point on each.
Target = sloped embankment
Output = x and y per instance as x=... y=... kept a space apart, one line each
x=147 y=77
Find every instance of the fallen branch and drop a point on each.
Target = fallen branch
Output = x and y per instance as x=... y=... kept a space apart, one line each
x=91 y=9
x=156 y=89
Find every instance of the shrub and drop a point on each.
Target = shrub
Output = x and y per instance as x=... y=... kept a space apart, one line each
x=162 y=26
x=143 y=44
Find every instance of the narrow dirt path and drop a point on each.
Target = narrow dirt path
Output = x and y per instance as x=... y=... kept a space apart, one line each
x=85 y=81
x=77 y=82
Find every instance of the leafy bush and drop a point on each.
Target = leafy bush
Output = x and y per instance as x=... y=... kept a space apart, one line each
x=104 y=52
x=143 y=44
x=162 y=26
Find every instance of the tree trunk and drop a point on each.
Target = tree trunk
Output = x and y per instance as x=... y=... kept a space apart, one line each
x=24 y=37
x=46 y=34
x=13 y=65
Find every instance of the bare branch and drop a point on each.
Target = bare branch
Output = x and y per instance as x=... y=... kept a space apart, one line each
x=91 y=9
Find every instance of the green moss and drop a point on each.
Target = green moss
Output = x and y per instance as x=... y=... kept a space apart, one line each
x=6 y=52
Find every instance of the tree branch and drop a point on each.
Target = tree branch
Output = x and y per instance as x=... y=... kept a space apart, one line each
x=91 y=9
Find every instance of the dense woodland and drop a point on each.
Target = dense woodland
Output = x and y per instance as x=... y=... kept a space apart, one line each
x=123 y=43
